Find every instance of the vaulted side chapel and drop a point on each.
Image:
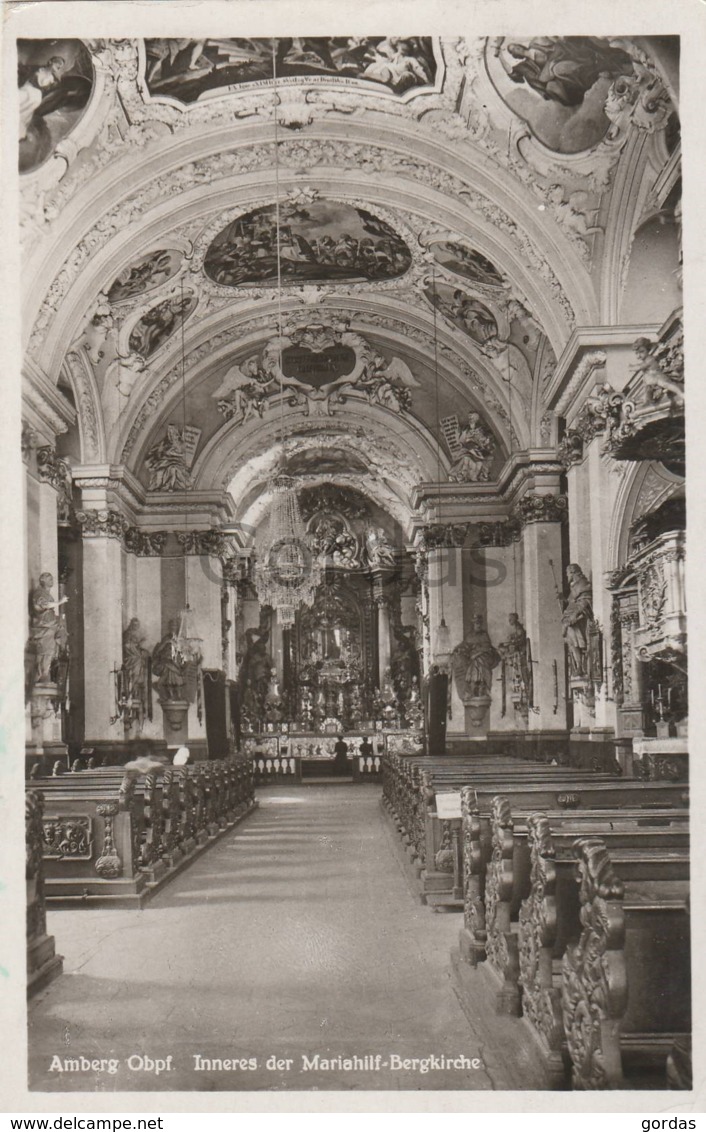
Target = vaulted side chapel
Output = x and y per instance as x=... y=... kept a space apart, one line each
x=353 y=433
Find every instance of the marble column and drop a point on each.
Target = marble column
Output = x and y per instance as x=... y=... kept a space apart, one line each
x=147 y=606
x=384 y=646
x=204 y=578
x=102 y=636
x=541 y=541
x=446 y=600
x=504 y=594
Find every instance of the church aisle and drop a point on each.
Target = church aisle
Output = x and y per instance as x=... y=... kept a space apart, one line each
x=295 y=935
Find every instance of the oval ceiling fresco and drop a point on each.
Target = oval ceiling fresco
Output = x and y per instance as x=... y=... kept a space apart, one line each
x=558 y=85
x=467 y=263
x=321 y=242
x=187 y=69
x=145 y=274
x=159 y=323
x=467 y=313
x=55 y=80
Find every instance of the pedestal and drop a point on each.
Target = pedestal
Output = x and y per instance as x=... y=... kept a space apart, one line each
x=175 y=721
x=44 y=739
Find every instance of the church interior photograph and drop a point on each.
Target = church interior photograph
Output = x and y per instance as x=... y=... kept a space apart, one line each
x=355 y=652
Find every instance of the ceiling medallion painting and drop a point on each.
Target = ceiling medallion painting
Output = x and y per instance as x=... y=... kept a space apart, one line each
x=322 y=241
x=159 y=323
x=467 y=263
x=190 y=69
x=55 y=80
x=145 y=274
x=465 y=312
x=559 y=85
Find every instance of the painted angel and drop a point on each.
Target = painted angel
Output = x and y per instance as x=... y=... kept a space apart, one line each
x=244 y=390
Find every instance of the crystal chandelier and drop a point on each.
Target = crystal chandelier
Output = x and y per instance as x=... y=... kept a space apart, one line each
x=286 y=573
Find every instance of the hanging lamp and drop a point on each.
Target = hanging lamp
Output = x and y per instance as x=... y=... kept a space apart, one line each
x=442 y=634
x=286 y=574
x=187 y=643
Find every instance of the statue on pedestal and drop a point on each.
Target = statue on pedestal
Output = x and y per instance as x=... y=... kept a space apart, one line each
x=517 y=657
x=45 y=630
x=473 y=661
x=577 y=619
x=167 y=667
x=135 y=690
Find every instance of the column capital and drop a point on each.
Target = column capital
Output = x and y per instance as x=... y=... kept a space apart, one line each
x=442 y=536
x=537 y=508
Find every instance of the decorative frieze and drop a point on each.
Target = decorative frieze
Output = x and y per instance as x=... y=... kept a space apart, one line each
x=213 y=542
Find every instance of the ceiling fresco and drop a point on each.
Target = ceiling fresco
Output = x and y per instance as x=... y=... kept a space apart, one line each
x=468 y=263
x=189 y=69
x=464 y=311
x=558 y=85
x=55 y=80
x=159 y=323
x=145 y=274
x=321 y=241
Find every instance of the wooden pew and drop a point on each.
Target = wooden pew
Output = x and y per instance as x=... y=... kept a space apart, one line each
x=43 y=964
x=626 y=981
x=524 y=952
x=115 y=837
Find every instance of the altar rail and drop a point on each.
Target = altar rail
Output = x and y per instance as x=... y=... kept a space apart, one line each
x=114 y=838
x=43 y=964
x=581 y=924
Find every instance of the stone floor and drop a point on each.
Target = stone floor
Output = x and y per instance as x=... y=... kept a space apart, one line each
x=295 y=935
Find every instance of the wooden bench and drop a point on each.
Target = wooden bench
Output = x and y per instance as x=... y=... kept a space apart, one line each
x=526 y=914
x=115 y=837
x=43 y=964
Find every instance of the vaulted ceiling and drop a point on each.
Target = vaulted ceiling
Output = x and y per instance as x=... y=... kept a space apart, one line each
x=449 y=212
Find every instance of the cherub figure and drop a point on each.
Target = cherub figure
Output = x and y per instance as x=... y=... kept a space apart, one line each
x=244 y=390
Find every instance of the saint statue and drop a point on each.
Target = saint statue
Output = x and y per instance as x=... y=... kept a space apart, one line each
x=577 y=619
x=166 y=463
x=380 y=550
x=167 y=666
x=515 y=651
x=136 y=660
x=477 y=448
x=45 y=629
x=474 y=660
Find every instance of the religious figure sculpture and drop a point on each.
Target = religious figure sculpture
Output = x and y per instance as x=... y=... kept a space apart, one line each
x=135 y=691
x=166 y=463
x=256 y=671
x=516 y=655
x=244 y=390
x=577 y=619
x=473 y=661
x=477 y=447
x=660 y=374
x=45 y=630
x=380 y=550
x=389 y=384
x=168 y=667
